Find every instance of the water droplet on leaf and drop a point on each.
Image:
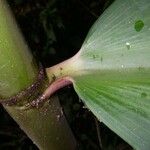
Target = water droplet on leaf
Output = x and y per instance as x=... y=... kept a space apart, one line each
x=139 y=25
x=128 y=45
x=143 y=94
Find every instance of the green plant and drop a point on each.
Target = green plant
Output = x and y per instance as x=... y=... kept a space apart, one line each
x=111 y=71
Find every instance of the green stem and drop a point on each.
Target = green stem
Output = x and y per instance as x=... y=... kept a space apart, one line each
x=17 y=66
x=69 y=67
x=62 y=74
x=46 y=125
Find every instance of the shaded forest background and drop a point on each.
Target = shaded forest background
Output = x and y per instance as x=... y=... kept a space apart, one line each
x=55 y=31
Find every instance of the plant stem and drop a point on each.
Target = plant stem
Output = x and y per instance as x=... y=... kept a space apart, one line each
x=17 y=66
x=66 y=68
x=46 y=125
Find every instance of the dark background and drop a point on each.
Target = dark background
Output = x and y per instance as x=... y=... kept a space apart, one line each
x=55 y=31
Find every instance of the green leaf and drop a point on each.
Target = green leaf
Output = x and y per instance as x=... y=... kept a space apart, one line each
x=115 y=60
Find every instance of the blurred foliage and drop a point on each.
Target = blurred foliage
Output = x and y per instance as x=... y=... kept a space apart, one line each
x=55 y=30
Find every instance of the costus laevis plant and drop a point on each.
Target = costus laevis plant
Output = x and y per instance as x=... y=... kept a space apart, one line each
x=111 y=71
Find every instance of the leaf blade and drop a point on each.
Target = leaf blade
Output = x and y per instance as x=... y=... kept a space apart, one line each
x=129 y=118
x=116 y=62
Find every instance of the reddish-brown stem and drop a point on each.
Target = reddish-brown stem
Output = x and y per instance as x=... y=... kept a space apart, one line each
x=56 y=85
x=59 y=76
x=53 y=87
